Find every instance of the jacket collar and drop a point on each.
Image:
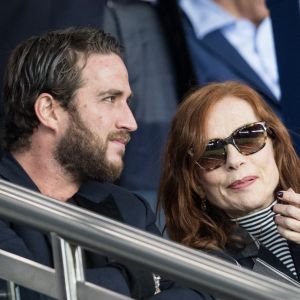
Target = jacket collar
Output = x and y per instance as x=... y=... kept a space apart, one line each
x=260 y=255
x=217 y=44
x=12 y=171
x=206 y=16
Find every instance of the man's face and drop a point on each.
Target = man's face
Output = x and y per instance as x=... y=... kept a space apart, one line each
x=99 y=122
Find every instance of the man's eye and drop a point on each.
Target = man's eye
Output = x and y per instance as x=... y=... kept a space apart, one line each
x=109 y=98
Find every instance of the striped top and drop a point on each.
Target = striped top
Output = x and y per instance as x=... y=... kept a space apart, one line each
x=262 y=227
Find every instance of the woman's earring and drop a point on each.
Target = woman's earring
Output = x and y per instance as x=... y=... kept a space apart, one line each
x=203 y=204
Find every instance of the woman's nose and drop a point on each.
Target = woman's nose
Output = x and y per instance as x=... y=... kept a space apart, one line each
x=234 y=158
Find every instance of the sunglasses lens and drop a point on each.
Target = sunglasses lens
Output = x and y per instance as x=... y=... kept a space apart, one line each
x=250 y=139
x=214 y=155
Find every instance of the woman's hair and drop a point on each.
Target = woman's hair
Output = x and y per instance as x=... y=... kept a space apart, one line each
x=181 y=194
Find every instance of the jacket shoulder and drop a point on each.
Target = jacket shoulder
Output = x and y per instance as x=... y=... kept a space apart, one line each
x=134 y=209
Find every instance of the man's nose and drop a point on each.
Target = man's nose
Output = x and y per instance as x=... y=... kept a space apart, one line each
x=126 y=120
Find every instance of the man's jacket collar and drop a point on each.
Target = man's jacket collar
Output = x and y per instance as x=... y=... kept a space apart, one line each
x=12 y=171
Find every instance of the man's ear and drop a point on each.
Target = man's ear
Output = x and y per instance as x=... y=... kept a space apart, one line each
x=47 y=110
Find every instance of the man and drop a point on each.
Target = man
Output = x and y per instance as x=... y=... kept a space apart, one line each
x=232 y=40
x=240 y=40
x=67 y=123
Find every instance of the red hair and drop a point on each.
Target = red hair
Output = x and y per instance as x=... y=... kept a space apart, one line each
x=180 y=192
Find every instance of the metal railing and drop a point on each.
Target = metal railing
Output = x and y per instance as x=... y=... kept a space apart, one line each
x=73 y=228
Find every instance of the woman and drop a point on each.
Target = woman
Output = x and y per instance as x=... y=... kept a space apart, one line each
x=228 y=159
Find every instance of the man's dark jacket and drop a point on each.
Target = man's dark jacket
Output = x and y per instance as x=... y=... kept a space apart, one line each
x=103 y=198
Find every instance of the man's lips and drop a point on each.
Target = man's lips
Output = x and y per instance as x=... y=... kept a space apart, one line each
x=242 y=183
x=120 y=139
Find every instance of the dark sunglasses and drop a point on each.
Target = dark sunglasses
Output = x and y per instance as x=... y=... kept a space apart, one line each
x=247 y=139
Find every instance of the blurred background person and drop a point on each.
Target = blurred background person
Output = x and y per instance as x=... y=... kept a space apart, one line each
x=228 y=158
x=232 y=40
x=256 y=42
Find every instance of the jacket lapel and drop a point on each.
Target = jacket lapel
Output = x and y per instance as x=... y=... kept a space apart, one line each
x=140 y=280
x=217 y=44
x=268 y=264
x=295 y=252
x=265 y=262
x=256 y=257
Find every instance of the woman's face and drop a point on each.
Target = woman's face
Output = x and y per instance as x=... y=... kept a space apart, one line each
x=244 y=184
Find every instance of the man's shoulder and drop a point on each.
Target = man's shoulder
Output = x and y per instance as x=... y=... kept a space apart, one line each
x=98 y=191
x=134 y=209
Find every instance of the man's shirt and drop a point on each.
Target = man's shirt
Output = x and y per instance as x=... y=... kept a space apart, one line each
x=254 y=44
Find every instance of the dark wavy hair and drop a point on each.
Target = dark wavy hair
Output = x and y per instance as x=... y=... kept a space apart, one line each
x=180 y=192
x=47 y=63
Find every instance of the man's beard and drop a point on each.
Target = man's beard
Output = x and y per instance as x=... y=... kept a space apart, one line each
x=83 y=154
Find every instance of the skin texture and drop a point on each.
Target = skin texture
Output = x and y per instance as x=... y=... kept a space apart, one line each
x=100 y=125
x=102 y=101
x=226 y=116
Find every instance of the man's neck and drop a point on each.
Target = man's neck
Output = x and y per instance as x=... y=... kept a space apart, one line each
x=254 y=11
x=50 y=178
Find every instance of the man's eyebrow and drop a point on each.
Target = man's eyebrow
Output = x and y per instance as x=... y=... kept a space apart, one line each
x=113 y=92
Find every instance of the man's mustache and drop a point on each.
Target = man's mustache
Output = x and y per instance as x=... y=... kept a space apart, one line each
x=124 y=136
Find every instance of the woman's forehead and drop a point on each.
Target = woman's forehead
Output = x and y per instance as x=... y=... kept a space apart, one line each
x=227 y=115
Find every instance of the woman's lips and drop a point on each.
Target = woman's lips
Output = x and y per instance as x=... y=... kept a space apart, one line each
x=242 y=183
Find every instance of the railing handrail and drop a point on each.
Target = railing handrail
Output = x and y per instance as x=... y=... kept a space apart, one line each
x=193 y=268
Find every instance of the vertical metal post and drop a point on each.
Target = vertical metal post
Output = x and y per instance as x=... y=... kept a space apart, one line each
x=14 y=293
x=68 y=264
x=11 y=292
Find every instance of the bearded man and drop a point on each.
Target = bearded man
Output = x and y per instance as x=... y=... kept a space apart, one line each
x=67 y=123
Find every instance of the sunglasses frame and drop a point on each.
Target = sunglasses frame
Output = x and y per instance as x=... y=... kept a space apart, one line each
x=230 y=140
